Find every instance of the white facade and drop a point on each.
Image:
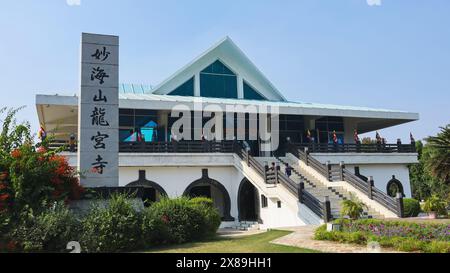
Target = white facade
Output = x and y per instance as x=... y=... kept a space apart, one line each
x=230 y=180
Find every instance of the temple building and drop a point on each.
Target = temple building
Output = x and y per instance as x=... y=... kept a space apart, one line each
x=299 y=175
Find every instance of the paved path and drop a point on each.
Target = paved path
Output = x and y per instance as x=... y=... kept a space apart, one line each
x=228 y=232
x=303 y=237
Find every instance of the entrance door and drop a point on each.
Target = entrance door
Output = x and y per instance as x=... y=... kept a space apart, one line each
x=201 y=191
x=248 y=202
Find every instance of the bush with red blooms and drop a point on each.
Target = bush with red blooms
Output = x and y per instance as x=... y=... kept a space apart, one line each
x=38 y=177
x=31 y=177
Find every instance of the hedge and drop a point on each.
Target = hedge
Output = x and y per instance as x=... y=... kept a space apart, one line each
x=411 y=207
x=402 y=236
x=115 y=227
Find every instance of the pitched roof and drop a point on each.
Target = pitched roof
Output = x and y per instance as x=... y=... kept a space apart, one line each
x=227 y=52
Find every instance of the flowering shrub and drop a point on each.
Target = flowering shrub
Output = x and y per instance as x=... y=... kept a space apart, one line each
x=40 y=177
x=403 y=236
x=30 y=177
x=423 y=232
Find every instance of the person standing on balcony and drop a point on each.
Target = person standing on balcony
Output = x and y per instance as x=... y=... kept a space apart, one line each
x=357 y=141
x=42 y=134
x=72 y=143
x=379 y=140
x=356 y=137
x=335 y=141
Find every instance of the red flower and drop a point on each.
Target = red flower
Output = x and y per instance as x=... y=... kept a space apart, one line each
x=2 y=186
x=56 y=194
x=165 y=219
x=16 y=153
x=41 y=150
x=11 y=246
x=3 y=197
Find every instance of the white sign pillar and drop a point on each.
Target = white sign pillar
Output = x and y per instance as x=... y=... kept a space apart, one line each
x=98 y=111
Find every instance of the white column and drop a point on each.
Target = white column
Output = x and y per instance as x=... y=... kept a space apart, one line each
x=240 y=87
x=197 y=85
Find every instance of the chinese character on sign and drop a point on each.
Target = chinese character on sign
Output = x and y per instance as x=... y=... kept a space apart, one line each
x=99 y=54
x=99 y=74
x=98 y=117
x=100 y=97
x=99 y=165
x=99 y=138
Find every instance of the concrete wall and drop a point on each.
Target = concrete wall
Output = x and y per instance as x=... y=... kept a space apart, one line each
x=381 y=166
x=382 y=174
x=175 y=180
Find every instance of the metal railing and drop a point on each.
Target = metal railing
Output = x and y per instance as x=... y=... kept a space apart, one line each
x=160 y=147
x=342 y=174
x=357 y=148
x=276 y=176
x=177 y=147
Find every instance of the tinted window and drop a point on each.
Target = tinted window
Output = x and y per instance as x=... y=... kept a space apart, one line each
x=251 y=94
x=186 y=89
x=218 y=81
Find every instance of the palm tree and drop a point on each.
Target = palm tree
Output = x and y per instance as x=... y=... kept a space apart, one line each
x=352 y=207
x=439 y=162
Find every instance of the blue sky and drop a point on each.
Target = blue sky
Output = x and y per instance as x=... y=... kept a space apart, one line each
x=395 y=55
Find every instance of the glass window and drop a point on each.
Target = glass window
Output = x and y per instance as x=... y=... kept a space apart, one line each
x=327 y=125
x=218 y=81
x=251 y=94
x=186 y=89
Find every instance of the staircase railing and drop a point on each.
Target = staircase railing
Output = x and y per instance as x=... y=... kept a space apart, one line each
x=393 y=204
x=276 y=176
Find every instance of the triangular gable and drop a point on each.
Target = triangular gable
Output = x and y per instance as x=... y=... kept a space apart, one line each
x=230 y=55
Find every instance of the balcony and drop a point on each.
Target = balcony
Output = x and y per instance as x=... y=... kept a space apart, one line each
x=227 y=147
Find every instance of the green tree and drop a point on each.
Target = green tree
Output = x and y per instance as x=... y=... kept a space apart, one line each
x=439 y=160
x=423 y=183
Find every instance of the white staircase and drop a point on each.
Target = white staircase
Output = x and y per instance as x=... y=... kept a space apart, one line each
x=314 y=186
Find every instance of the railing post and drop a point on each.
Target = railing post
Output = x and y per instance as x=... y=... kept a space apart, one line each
x=342 y=167
x=413 y=146
x=247 y=156
x=328 y=164
x=399 y=145
x=306 y=156
x=327 y=208
x=300 y=189
x=370 y=184
x=277 y=168
x=266 y=169
x=400 y=210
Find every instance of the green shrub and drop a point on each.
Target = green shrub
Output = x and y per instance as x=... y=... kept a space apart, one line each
x=411 y=207
x=112 y=228
x=154 y=230
x=352 y=207
x=212 y=219
x=177 y=220
x=436 y=204
x=438 y=247
x=50 y=231
x=402 y=236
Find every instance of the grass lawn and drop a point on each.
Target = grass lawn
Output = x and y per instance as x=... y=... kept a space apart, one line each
x=258 y=243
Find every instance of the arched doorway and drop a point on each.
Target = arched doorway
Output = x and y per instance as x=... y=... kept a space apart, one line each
x=394 y=186
x=210 y=188
x=248 y=202
x=152 y=192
